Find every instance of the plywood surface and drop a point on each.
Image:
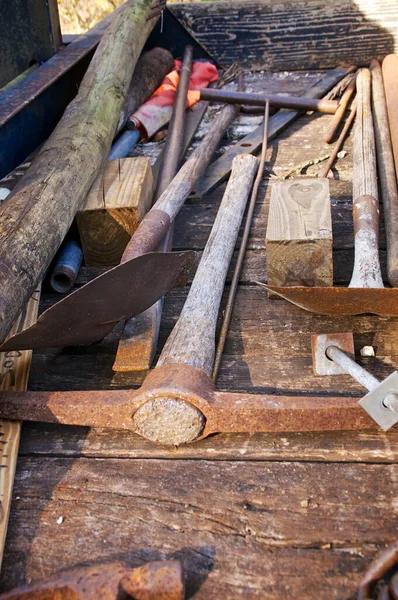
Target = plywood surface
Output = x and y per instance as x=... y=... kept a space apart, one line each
x=261 y=516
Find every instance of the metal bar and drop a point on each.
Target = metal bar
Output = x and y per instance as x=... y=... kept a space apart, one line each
x=349 y=365
x=341 y=139
x=324 y=106
x=242 y=251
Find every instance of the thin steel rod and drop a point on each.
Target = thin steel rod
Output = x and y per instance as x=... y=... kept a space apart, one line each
x=341 y=139
x=320 y=105
x=173 y=147
x=351 y=367
x=242 y=251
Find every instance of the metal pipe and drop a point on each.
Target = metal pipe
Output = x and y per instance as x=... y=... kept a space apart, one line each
x=349 y=365
x=242 y=251
x=324 y=106
x=339 y=114
x=66 y=267
x=124 y=144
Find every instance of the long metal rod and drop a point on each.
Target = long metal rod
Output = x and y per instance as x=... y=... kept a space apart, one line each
x=242 y=251
x=341 y=139
x=322 y=105
x=349 y=365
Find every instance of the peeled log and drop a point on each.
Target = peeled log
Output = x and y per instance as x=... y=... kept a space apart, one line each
x=36 y=216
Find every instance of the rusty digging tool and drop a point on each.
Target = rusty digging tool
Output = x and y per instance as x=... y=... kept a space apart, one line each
x=380 y=580
x=153 y=581
x=137 y=345
x=90 y=313
x=178 y=401
x=366 y=292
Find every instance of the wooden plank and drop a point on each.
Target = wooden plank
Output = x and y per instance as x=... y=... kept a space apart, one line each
x=115 y=205
x=292 y=34
x=346 y=446
x=14 y=374
x=239 y=530
x=299 y=233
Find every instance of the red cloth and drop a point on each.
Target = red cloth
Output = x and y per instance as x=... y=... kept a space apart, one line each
x=156 y=112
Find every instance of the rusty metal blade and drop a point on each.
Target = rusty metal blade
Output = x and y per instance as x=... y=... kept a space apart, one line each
x=90 y=313
x=341 y=301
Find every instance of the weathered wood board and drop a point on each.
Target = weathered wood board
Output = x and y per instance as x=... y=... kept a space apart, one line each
x=293 y=34
x=261 y=516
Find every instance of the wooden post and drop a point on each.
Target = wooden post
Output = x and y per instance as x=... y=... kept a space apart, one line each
x=116 y=203
x=37 y=215
x=192 y=341
x=299 y=234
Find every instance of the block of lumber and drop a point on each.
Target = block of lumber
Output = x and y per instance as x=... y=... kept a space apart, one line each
x=299 y=233
x=36 y=216
x=115 y=205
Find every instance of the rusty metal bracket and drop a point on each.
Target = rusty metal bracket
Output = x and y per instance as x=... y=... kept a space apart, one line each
x=320 y=343
x=334 y=354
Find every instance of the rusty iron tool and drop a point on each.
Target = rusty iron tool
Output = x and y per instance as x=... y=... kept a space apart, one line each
x=241 y=254
x=333 y=354
x=390 y=78
x=339 y=114
x=386 y=171
x=160 y=580
x=137 y=345
x=381 y=569
x=324 y=106
x=341 y=139
x=91 y=312
x=366 y=293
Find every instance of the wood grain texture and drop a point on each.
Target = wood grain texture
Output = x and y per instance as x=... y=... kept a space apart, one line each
x=292 y=34
x=240 y=530
x=115 y=205
x=40 y=210
x=14 y=374
x=299 y=233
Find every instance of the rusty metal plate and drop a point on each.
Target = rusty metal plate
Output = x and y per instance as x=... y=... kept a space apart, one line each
x=323 y=365
x=90 y=313
x=341 y=301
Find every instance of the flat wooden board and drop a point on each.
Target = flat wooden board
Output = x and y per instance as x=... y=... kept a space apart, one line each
x=261 y=516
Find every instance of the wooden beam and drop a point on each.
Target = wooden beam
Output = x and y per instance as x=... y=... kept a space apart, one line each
x=115 y=205
x=281 y=35
x=299 y=233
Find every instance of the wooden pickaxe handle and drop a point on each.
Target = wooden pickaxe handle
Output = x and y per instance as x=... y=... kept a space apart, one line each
x=366 y=271
x=385 y=160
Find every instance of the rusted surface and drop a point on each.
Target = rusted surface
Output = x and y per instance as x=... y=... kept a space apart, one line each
x=222 y=411
x=162 y=580
x=148 y=235
x=339 y=114
x=341 y=301
x=90 y=313
x=321 y=363
x=324 y=106
x=367 y=273
x=379 y=570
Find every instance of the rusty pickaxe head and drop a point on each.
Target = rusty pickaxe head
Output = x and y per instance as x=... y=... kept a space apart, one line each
x=161 y=580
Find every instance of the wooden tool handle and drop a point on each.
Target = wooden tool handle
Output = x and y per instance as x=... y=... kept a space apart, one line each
x=386 y=170
x=192 y=340
x=366 y=271
x=390 y=77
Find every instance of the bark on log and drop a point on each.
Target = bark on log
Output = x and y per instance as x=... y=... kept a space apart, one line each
x=37 y=215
